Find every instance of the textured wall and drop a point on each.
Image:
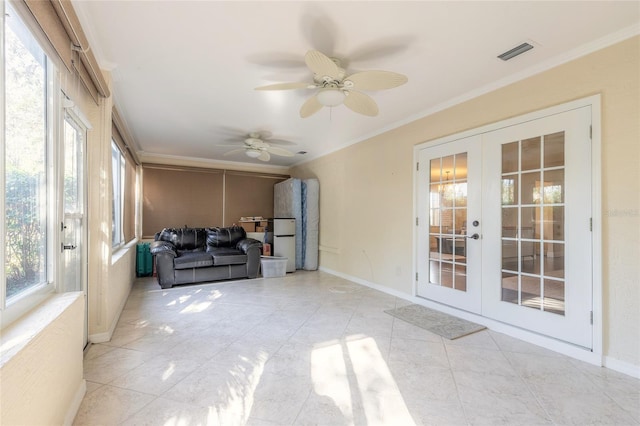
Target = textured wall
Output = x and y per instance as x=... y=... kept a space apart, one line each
x=43 y=380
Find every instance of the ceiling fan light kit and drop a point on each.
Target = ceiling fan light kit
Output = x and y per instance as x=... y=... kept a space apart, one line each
x=335 y=87
x=253 y=153
x=330 y=96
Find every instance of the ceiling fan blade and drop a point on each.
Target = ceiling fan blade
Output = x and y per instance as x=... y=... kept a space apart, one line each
x=310 y=107
x=361 y=103
x=383 y=47
x=229 y=131
x=284 y=86
x=321 y=64
x=376 y=80
x=264 y=156
x=262 y=134
x=234 y=151
x=280 y=142
x=280 y=151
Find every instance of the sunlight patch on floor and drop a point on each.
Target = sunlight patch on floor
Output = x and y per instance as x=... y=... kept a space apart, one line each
x=169 y=371
x=195 y=308
x=233 y=405
x=355 y=375
x=329 y=376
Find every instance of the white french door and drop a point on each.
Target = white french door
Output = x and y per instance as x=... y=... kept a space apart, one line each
x=526 y=193
x=538 y=264
x=450 y=184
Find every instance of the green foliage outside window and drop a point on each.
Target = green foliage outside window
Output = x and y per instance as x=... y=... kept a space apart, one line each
x=26 y=206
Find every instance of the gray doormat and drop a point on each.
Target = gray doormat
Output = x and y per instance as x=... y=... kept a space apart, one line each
x=440 y=323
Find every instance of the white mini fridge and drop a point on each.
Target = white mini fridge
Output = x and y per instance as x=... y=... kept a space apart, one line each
x=284 y=241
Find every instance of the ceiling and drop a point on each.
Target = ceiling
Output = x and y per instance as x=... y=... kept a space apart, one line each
x=184 y=72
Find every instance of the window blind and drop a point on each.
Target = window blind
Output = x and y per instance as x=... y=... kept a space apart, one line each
x=60 y=24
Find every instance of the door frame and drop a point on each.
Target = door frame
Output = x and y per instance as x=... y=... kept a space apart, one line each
x=595 y=355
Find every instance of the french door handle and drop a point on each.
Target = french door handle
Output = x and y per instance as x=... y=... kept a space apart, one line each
x=474 y=236
x=69 y=247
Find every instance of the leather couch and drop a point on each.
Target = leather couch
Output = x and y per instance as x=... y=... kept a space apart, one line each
x=192 y=255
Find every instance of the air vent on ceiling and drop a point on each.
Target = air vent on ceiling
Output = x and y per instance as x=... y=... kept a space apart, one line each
x=518 y=50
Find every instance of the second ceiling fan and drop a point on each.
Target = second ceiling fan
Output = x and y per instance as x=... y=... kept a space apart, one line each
x=255 y=146
x=334 y=87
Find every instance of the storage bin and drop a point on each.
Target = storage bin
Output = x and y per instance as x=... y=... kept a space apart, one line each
x=273 y=266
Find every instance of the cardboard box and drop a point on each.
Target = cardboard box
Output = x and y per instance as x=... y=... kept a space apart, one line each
x=261 y=228
x=248 y=226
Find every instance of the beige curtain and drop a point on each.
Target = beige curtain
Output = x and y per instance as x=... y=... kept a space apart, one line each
x=131 y=165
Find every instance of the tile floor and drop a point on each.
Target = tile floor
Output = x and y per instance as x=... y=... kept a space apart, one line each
x=314 y=349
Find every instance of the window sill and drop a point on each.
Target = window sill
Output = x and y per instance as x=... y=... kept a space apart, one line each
x=122 y=250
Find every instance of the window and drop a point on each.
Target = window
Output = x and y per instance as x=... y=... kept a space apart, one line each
x=118 y=171
x=25 y=170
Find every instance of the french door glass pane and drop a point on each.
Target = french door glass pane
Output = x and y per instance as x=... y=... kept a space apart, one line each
x=73 y=205
x=448 y=221
x=510 y=157
x=72 y=179
x=509 y=190
x=554 y=150
x=530 y=154
x=533 y=223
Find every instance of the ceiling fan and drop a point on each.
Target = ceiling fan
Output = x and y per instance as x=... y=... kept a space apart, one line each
x=256 y=147
x=334 y=87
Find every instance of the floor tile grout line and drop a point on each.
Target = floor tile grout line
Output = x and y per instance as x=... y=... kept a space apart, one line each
x=526 y=384
x=455 y=383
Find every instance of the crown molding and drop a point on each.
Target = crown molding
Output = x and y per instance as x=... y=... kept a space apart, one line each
x=175 y=160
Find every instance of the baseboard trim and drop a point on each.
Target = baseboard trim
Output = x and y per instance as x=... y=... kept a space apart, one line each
x=72 y=411
x=554 y=345
x=366 y=283
x=621 y=367
x=106 y=336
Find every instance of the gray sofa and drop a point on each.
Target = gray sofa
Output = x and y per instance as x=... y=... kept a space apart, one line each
x=192 y=255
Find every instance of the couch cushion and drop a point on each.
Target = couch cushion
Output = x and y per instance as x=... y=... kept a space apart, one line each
x=194 y=259
x=227 y=256
x=225 y=237
x=184 y=238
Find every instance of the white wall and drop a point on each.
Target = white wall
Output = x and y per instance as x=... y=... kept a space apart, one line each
x=366 y=197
